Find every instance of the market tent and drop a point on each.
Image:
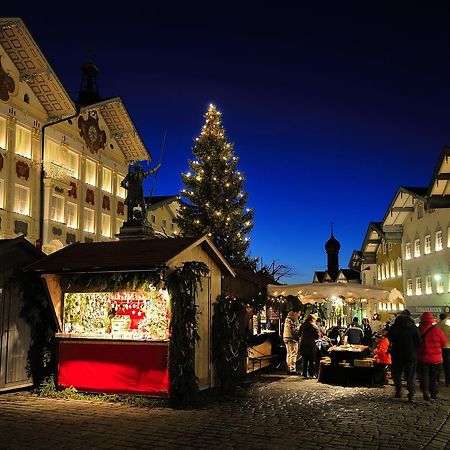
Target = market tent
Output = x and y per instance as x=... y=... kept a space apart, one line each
x=321 y=292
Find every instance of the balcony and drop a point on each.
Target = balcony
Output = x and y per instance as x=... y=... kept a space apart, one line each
x=57 y=172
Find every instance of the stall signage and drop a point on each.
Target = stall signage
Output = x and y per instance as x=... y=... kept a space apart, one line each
x=431 y=309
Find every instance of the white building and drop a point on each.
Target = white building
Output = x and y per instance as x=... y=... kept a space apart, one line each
x=61 y=162
x=421 y=216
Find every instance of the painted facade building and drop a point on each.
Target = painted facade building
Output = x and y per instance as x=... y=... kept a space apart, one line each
x=61 y=162
x=162 y=211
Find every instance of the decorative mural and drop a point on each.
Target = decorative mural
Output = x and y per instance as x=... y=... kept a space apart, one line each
x=120 y=208
x=20 y=227
x=70 y=238
x=90 y=198
x=56 y=231
x=91 y=132
x=7 y=84
x=106 y=203
x=22 y=170
x=73 y=190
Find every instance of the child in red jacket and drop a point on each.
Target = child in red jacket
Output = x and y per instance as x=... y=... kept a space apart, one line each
x=382 y=355
x=429 y=355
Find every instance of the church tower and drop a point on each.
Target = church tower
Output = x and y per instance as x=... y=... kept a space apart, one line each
x=88 y=93
x=332 y=247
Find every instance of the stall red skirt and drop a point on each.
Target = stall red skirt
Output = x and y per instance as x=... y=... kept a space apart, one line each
x=114 y=367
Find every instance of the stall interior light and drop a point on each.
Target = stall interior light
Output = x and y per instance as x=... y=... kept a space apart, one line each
x=438 y=277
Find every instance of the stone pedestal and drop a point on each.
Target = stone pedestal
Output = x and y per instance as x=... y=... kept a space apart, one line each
x=135 y=230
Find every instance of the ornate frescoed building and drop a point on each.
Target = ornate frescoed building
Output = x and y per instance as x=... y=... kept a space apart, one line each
x=61 y=162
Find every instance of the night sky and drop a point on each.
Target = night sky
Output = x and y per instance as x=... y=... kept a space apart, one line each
x=331 y=108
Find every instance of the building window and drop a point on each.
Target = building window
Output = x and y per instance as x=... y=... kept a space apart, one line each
x=172 y=226
x=418 y=286
x=164 y=223
x=408 y=250
x=57 y=208
x=91 y=172
x=2 y=132
x=420 y=210
x=23 y=142
x=378 y=273
x=386 y=265
x=72 y=215
x=121 y=192
x=439 y=284
x=153 y=218
x=417 y=248
x=392 y=263
x=448 y=237
x=389 y=246
x=428 y=286
x=2 y=194
x=409 y=286
x=383 y=272
x=89 y=220
x=106 y=225
x=427 y=249
x=119 y=223
x=72 y=160
x=438 y=240
x=22 y=200
x=399 y=267
x=106 y=180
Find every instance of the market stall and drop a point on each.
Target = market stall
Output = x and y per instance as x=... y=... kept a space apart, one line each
x=113 y=307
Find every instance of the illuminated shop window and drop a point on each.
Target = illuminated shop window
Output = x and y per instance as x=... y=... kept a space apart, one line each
x=72 y=215
x=418 y=286
x=89 y=220
x=121 y=192
x=57 y=208
x=106 y=225
x=417 y=248
x=22 y=200
x=399 y=267
x=409 y=286
x=392 y=264
x=91 y=172
x=427 y=249
x=408 y=250
x=2 y=132
x=23 y=141
x=428 y=285
x=134 y=315
x=439 y=283
x=438 y=245
x=106 y=180
x=2 y=194
x=73 y=163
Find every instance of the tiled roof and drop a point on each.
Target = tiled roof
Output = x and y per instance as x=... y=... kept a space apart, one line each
x=256 y=278
x=351 y=274
x=145 y=254
x=155 y=199
x=320 y=275
x=418 y=191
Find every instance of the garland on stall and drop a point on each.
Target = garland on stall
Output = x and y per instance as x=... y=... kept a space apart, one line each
x=110 y=282
x=183 y=284
x=38 y=313
x=229 y=341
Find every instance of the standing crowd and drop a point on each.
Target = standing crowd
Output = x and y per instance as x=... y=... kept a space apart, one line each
x=403 y=348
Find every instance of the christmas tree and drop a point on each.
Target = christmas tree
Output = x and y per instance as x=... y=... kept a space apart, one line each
x=214 y=201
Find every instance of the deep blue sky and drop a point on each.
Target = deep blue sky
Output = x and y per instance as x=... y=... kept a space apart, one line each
x=330 y=107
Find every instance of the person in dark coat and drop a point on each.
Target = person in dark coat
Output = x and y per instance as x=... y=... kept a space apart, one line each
x=430 y=356
x=404 y=337
x=309 y=333
x=354 y=333
x=367 y=330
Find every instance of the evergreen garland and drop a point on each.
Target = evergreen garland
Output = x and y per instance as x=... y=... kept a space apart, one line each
x=229 y=341
x=183 y=284
x=214 y=198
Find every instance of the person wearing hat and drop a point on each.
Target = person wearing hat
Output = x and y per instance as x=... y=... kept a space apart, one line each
x=405 y=339
x=309 y=333
x=430 y=355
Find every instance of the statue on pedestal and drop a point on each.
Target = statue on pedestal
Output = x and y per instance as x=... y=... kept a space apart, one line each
x=135 y=193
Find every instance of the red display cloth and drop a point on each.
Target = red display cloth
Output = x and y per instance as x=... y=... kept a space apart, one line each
x=114 y=368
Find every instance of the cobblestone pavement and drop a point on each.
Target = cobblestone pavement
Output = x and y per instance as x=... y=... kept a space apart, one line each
x=275 y=412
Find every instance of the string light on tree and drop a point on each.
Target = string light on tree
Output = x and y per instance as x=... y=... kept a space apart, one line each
x=214 y=196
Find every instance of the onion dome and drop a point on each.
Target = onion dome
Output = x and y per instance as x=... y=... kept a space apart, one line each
x=332 y=245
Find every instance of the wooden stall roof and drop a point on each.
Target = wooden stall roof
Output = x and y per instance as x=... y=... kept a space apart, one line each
x=127 y=255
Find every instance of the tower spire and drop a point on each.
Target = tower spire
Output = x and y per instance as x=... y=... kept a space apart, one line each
x=88 y=93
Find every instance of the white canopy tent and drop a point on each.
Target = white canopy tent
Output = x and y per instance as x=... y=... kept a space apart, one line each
x=321 y=292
